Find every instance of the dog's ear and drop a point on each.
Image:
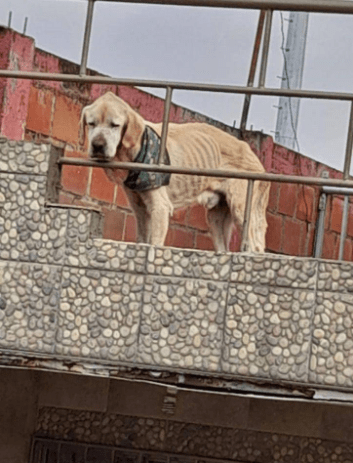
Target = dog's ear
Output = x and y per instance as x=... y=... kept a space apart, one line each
x=82 y=130
x=134 y=128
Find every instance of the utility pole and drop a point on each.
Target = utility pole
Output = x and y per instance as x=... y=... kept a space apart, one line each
x=292 y=76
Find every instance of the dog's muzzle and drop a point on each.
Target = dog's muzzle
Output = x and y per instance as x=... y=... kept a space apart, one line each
x=99 y=146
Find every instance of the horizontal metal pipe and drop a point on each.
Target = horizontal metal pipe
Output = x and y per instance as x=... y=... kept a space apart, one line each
x=337 y=191
x=315 y=94
x=209 y=172
x=317 y=6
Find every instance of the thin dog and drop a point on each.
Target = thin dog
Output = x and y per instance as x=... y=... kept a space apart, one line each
x=117 y=132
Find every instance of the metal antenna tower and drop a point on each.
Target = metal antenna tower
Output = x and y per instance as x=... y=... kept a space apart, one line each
x=292 y=75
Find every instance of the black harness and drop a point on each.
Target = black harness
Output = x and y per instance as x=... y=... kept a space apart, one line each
x=142 y=181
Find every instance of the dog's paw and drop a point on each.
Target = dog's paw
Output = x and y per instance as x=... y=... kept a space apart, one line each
x=208 y=199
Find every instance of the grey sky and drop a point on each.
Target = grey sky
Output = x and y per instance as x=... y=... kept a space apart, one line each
x=203 y=45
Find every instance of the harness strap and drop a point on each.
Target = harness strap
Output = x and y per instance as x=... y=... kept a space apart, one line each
x=148 y=154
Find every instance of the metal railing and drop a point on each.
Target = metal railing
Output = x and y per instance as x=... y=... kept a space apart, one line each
x=263 y=34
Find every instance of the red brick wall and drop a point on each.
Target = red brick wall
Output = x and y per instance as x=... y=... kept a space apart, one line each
x=51 y=111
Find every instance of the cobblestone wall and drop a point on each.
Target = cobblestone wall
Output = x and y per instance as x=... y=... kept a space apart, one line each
x=68 y=294
x=238 y=445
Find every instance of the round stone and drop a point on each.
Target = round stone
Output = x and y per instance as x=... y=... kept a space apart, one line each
x=339 y=307
x=319 y=333
x=252 y=298
x=84 y=282
x=275 y=319
x=106 y=302
x=165 y=351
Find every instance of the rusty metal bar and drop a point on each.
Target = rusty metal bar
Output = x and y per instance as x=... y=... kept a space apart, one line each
x=349 y=146
x=317 y=6
x=319 y=238
x=295 y=93
x=209 y=172
x=265 y=48
x=246 y=224
x=252 y=71
x=167 y=105
x=346 y=170
x=337 y=191
x=87 y=36
x=319 y=235
x=343 y=227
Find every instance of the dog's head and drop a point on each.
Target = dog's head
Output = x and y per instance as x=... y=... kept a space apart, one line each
x=111 y=124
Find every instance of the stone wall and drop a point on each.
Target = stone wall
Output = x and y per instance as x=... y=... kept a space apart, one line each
x=68 y=294
x=184 y=440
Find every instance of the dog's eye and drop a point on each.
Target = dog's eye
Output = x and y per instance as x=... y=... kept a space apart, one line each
x=91 y=124
x=114 y=125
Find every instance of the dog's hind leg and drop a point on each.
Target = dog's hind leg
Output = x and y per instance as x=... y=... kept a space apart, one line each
x=221 y=225
x=236 y=198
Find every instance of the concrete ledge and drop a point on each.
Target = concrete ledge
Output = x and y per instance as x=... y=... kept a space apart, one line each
x=67 y=294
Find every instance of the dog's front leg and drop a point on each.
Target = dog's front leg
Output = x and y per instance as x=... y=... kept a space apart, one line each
x=159 y=209
x=140 y=212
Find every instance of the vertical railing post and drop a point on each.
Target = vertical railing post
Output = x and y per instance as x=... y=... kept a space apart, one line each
x=246 y=224
x=346 y=170
x=167 y=106
x=87 y=36
x=252 y=71
x=265 y=48
x=320 y=229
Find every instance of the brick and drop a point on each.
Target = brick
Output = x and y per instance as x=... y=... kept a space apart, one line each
x=284 y=161
x=310 y=242
x=347 y=251
x=329 y=247
x=113 y=225
x=180 y=216
x=121 y=198
x=69 y=152
x=306 y=203
x=65 y=198
x=40 y=103
x=336 y=215
x=328 y=212
x=305 y=239
x=101 y=187
x=287 y=199
x=66 y=119
x=273 y=198
x=197 y=217
x=180 y=238
x=274 y=232
x=75 y=179
x=204 y=242
x=130 y=229
x=292 y=237
x=350 y=221
x=235 y=241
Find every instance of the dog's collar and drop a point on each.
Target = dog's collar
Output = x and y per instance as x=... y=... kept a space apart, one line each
x=148 y=154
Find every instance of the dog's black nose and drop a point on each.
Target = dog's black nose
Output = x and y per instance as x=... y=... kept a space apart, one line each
x=98 y=146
